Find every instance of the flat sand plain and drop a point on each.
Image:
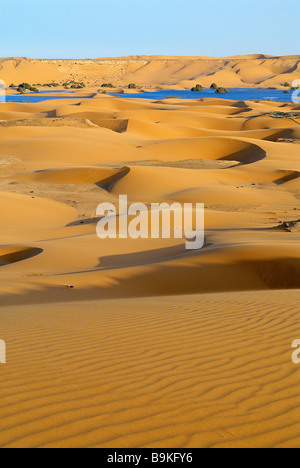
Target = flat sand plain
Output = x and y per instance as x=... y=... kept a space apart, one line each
x=154 y=345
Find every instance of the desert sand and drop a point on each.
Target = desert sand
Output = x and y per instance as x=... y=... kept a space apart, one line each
x=161 y=72
x=141 y=343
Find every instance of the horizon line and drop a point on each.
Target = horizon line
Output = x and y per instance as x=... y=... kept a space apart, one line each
x=159 y=56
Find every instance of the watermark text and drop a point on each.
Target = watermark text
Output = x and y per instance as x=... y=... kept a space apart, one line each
x=160 y=220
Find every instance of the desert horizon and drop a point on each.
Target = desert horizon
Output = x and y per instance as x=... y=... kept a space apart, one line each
x=150 y=230
x=162 y=72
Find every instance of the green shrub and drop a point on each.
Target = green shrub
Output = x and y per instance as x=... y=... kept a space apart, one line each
x=286 y=85
x=283 y=115
x=214 y=86
x=197 y=88
x=132 y=86
x=72 y=84
x=12 y=86
x=222 y=90
x=77 y=86
x=107 y=85
x=24 y=85
x=50 y=85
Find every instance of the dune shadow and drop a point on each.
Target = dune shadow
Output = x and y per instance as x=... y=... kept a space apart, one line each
x=110 y=182
x=19 y=255
x=287 y=133
x=145 y=258
x=80 y=222
x=246 y=156
x=289 y=176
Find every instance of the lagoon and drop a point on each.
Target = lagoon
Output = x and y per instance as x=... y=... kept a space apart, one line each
x=235 y=94
x=42 y=96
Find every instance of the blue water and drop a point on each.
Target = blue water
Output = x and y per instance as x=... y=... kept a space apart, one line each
x=236 y=94
x=31 y=97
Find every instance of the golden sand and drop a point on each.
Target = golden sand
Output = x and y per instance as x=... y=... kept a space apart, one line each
x=165 y=72
x=153 y=346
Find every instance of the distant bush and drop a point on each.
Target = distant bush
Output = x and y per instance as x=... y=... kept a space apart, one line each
x=107 y=85
x=132 y=86
x=23 y=87
x=12 y=86
x=197 y=88
x=50 y=85
x=72 y=84
x=222 y=90
x=286 y=85
x=214 y=86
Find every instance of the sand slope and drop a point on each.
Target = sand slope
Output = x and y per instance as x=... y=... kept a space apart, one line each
x=163 y=72
x=100 y=352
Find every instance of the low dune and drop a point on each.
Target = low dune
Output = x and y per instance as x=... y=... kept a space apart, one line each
x=76 y=123
x=16 y=254
x=77 y=175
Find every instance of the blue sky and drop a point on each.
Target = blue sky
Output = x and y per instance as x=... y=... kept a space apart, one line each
x=97 y=28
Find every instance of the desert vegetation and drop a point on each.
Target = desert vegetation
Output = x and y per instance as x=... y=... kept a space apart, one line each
x=72 y=84
x=49 y=85
x=222 y=90
x=23 y=87
x=197 y=88
x=283 y=115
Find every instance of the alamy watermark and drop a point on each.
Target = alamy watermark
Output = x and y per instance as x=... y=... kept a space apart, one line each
x=2 y=91
x=296 y=92
x=138 y=221
x=2 y=352
x=296 y=353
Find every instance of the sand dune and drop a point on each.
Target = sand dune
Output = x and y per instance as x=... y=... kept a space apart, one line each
x=77 y=123
x=103 y=353
x=16 y=254
x=77 y=175
x=161 y=72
